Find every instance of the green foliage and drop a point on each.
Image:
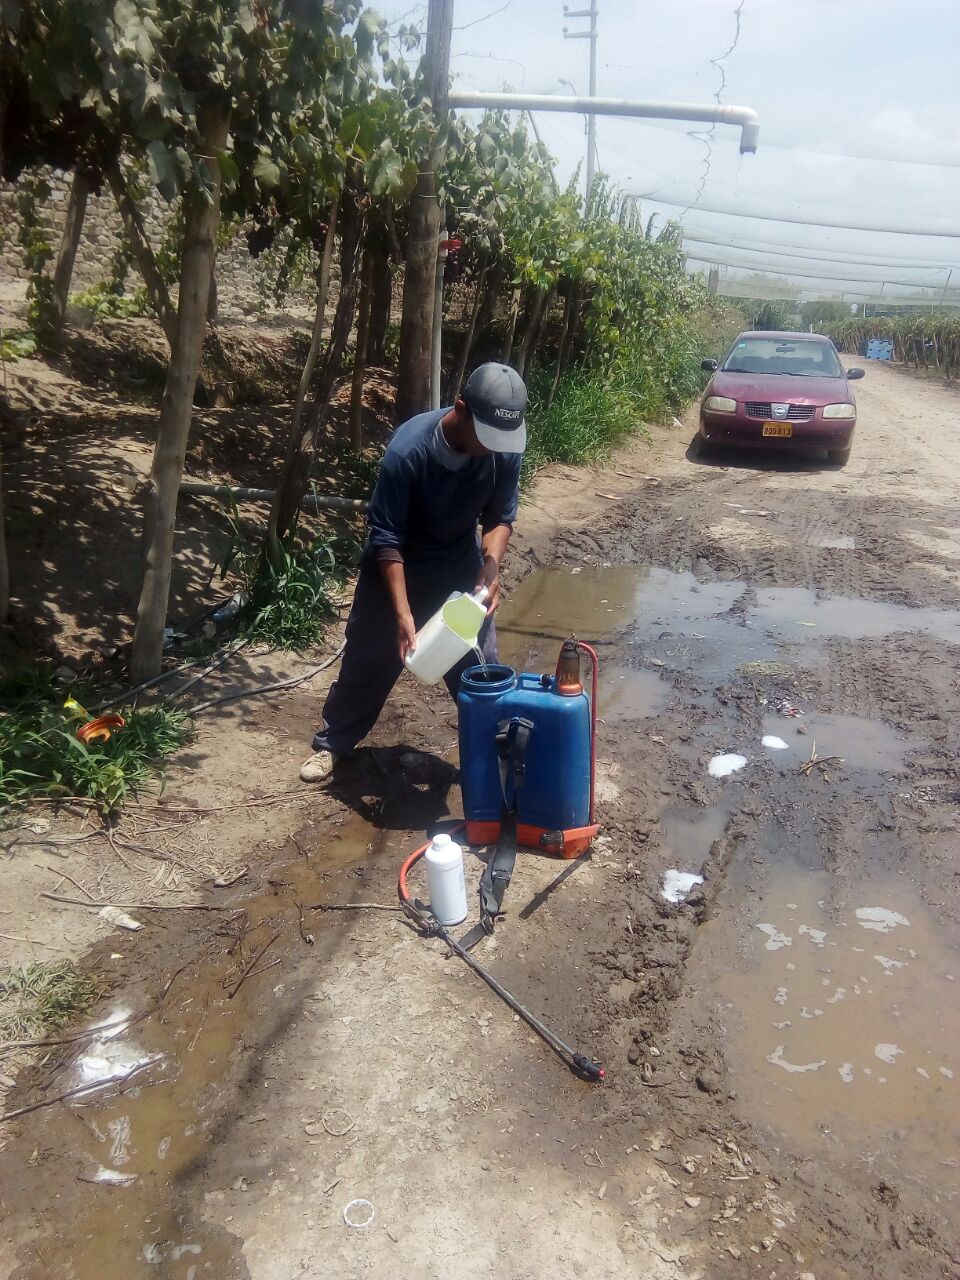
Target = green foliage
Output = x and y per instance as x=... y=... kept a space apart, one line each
x=42 y=998
x=37 y=254
x=41 y=755
x=17 y=345
x=289 y=599
x=926 y=339
x=775 y=314
x=592 y=411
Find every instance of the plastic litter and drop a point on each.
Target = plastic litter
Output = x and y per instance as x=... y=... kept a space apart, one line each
x=113 y=915
x=677 y=884
x=774 y=743
x=352 y=1207
x=723 y=765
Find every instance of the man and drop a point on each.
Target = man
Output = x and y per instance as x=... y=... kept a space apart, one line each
x=443 y=474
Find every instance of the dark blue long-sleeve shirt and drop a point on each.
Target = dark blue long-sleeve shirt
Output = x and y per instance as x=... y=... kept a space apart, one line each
x=428 y=500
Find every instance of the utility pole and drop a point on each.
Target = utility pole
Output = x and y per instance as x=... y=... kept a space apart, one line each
x=590 y=35
x=423 y=225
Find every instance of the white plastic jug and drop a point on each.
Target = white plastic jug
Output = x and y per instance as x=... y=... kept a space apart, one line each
x=448 y=636
x=448 y=889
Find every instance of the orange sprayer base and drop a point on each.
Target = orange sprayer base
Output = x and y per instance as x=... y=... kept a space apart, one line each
x=574 y=842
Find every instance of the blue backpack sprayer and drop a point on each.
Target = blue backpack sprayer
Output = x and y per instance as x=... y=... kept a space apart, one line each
x=528 y=771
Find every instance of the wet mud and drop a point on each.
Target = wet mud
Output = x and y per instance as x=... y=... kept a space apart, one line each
x=780 y=1042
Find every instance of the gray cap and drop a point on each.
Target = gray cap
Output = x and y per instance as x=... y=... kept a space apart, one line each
x=497 y=398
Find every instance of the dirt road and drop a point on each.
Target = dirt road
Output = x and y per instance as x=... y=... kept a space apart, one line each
x=781 y=1047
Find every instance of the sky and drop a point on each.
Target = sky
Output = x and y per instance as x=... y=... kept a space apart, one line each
x=859 y=105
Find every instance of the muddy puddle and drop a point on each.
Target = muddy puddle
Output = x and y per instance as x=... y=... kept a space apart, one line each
x=673 y=619
x=860 y=742
x=627 y=694
x=843 y=1029
x=793 y=610
x=153 y=1077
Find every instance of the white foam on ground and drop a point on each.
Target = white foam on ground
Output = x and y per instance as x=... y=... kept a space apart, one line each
x=890 y=965
x=677 y=884
x=723 y=765
x=777 y=1059
x=774 y=743
x=880 y=919
x=817 y=936
x=781 y=995
x=887 y=1052
x=775 y=939
x=846 y=1072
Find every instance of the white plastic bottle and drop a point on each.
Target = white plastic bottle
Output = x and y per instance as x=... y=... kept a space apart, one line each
x=448 y=889
x=448 y=636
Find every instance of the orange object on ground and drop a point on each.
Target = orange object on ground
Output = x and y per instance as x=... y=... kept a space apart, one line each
x=101 y=729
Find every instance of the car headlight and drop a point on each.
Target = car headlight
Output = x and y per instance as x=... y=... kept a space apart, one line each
x=839 y=410
x=721 y=404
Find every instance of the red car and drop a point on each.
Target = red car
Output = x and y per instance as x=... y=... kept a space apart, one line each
x=785 y=391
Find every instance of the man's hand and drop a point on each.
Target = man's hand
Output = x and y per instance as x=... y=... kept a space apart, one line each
x=489 y=577
x=406 y=634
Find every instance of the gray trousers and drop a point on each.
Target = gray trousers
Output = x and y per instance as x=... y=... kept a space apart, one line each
x=371 y=663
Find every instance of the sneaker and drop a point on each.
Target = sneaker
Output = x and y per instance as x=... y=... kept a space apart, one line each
x=318 y=767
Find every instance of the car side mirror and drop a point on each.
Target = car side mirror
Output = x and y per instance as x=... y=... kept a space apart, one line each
x=854 y=374
x=710 y=366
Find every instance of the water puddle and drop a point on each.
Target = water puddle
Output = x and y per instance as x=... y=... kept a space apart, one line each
x=843 y=1031
x=628 y=694
x=132 y=1152
x=862 y=743
x=689 y=833
x=796 y=610
x=690 y=625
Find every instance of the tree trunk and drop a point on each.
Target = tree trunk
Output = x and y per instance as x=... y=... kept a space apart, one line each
x=306 y=376
x=213 y=300
x=566 y=334
x=146 y=262
x=466 y=346
x=160 y=506
x=381 y=298
x=419 y=278
x=423 y=226
x=360 y=355
x=295 y=475
x=507 y=347
x=69 y=244
x=490 y=299
x=534 y=331
x=4 y=562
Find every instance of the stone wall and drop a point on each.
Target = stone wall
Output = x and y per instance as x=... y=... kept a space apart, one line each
x=244 y=286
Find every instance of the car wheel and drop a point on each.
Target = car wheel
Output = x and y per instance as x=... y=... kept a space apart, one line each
x=839 y=457
x=701 y=448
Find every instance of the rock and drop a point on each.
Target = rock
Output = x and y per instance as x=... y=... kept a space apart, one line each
x=64 y=675
x=709 y=1082
x=691 y=1201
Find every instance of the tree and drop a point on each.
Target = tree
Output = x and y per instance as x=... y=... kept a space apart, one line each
x=423 y=223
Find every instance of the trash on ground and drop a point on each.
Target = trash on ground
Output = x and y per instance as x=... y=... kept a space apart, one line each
x=723 y=765
x=113 y=915
x=677 y=884
x=774 y=743
x=788 y=709
x=352 y=1211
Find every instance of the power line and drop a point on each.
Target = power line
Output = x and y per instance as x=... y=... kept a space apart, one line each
x=817 y=275
x=882 y=228
x=801 y=251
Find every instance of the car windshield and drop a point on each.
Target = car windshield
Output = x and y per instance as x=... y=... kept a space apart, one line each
x=773 y=356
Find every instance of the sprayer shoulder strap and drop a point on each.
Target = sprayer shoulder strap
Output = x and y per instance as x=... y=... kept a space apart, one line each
x=513 y=737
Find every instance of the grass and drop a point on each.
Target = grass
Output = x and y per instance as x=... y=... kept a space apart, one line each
x=590 y=414
x=290 y=602
x=42 y=998
x=41 y=755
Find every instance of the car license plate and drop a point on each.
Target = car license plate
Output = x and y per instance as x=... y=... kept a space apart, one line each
x=777 y=429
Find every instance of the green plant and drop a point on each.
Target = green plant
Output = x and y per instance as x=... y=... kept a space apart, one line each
x=41 y=998
x=289 y=600
x=41 y=755
x=17 y=345
x=37 y=253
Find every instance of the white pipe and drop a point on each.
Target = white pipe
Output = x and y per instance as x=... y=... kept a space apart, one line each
x=745 y=117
